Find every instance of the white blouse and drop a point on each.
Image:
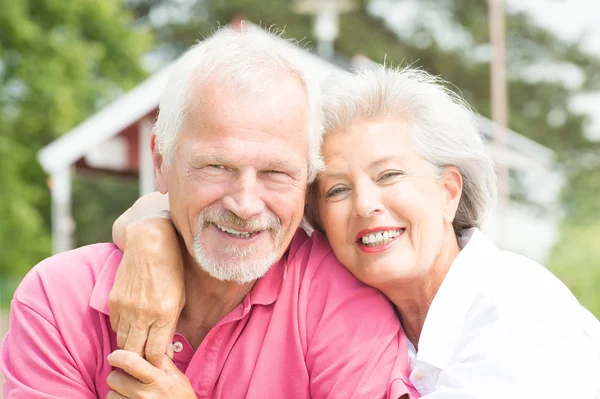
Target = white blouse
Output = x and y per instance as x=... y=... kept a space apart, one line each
x=502 y=326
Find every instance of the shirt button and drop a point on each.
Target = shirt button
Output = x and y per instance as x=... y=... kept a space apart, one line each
x=419 y=375
x=177 y=347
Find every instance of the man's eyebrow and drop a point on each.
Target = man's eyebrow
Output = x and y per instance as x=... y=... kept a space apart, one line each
x=204 y=158
x=285 y=166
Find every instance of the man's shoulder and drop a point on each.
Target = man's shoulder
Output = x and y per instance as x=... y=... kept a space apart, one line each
x=312 y=253
x=313 y=258
x=313 y=245
x=67 y=277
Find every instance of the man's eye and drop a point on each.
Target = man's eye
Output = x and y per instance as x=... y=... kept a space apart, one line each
x=215 y=166
x=277 y=174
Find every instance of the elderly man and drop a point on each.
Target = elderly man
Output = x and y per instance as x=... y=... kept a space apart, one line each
x=269 y=312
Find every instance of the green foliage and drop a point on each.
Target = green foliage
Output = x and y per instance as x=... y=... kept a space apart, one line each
x=59 y=62
x=533 y=101
x=575 y=258
x=97 y=202
x=576 y=261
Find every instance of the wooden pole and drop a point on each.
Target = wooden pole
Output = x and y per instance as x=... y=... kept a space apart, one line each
x=499 y=109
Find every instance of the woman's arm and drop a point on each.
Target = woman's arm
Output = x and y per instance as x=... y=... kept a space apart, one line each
x=149 y=206
x=148 y=294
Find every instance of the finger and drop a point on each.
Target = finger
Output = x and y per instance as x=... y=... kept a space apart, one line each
x=114 y=320
x=122 y=333
x=115 y=395
x=134 y=365
x=122 y=383
x=114 y=305
x=170 y=351
x=159 y=339
x=136 y=340
x=171 y=369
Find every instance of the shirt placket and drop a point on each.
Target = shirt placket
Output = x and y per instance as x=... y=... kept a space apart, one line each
x=205 y=366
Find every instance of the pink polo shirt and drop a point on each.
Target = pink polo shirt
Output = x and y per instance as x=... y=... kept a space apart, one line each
x=308 y=329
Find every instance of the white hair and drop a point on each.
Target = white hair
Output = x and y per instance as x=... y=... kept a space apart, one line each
x=445 y=131
x=252 y=61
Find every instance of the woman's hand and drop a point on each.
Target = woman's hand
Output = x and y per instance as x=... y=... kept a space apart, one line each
x=148 y=294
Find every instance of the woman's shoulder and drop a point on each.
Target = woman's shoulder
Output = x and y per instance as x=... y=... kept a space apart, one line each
x=517 y=289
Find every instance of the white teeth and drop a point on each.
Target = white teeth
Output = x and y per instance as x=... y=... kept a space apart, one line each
x=234 y=233
x=380 y=238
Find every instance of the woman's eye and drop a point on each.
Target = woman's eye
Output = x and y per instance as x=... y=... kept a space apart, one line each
x=336 y=191
x=389 y=175
x=215 y=166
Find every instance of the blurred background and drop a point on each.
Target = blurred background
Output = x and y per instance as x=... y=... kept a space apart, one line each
x=80 y=82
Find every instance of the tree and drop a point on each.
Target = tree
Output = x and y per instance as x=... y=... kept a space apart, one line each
x=540 y=106
x=59 y=62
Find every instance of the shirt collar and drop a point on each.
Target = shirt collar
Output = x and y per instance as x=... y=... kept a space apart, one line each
x=104 y=282
x=446 y=316
x=265 y=291
x=267 y=288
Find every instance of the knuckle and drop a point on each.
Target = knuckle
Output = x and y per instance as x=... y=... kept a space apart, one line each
x=153 y=350
x=138 y=326
x=143 y=312
x=167 y=311
x=163 y=321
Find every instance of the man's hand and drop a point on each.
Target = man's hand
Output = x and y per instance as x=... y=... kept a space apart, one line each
x=140 y=379
x=148 y=294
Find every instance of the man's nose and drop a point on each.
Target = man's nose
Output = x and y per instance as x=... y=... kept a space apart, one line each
x=244 y=198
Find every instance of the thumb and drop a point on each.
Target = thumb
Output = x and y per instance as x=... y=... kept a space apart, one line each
x=169 y=367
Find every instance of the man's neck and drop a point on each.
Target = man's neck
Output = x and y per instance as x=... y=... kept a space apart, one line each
x=207 y=301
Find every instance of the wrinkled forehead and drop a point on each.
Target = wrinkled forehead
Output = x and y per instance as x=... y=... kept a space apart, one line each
x=282 y=103
x=276 y=120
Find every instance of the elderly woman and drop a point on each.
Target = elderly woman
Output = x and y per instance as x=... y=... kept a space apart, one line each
x=406 y=185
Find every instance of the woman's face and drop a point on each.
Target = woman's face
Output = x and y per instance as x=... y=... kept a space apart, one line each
x=387 y=215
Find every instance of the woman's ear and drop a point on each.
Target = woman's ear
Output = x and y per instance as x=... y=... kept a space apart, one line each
x=452 y=185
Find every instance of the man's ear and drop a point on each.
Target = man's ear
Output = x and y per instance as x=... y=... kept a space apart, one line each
x=452 y=185
x=160 y=167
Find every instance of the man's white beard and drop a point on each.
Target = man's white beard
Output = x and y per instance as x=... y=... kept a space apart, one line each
x=241 y=267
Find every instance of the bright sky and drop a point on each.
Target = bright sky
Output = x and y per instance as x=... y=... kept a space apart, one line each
x=577 y=20
x=573 y=20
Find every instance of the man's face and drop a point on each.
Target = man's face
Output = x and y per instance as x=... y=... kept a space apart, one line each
x=238 y=181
